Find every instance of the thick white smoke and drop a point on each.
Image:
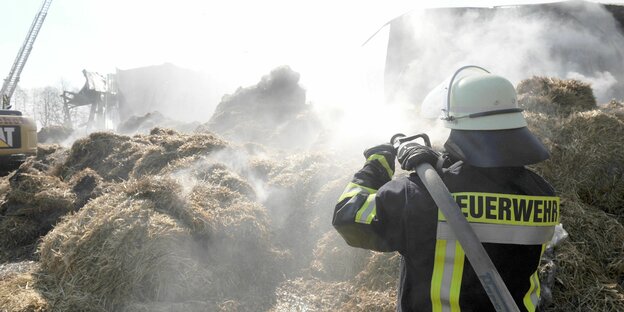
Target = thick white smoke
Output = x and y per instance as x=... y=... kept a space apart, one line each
x=579 y=40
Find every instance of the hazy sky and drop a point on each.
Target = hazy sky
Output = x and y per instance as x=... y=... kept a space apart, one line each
x=236 y=41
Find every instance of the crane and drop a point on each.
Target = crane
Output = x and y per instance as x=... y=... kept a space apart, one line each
x=10 y=83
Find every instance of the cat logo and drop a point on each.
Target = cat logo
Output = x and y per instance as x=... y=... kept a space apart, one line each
x=9 y=137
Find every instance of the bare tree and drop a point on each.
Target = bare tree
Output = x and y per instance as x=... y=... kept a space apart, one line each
x=20 y=99
x=49 y=106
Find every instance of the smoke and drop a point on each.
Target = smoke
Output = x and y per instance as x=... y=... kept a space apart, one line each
x=578 y=40
x=603 y=83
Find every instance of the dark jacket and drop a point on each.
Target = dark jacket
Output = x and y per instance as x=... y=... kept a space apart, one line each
x=512 y=210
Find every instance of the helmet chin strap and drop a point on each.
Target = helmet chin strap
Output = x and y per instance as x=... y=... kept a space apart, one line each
x=483 y=114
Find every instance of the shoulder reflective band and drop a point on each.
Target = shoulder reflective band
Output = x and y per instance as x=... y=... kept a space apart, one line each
x=352 y=189
x=508 y=209
x=503 y=234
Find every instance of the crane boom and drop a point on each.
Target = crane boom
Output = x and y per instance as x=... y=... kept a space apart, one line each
x=10 y=83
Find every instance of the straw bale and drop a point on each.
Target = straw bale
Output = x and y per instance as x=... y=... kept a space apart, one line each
x=170 y=146
x=145 y=244
x=555 y=96
x=587 y=168
x=16 y=231
x=86 y=184
x=219 y=174
x=112 y=156
x=581 y=284
x=587 y=161
x=334 y=260
x=153 y=160
x=38 y=196
x=32 y=204
x=589 y=260
x=18 y=294
x=201 y=144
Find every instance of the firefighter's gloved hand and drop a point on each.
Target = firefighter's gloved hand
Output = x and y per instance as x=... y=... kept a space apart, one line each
x=412 y=154
x=382 y=155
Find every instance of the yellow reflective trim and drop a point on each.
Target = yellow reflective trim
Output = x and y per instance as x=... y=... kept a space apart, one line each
x=373 y=213
x=367 y=212
x=507 y=209
x=383 y=162
x=458 y=271
x=436 y=278
x=352 y=189
x=531 y=298
x=527 y=300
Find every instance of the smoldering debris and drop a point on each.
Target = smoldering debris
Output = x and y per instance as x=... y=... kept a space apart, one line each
x=54 y=134
x=116 y=157
x=171 y=221
x=144 y=124
x=274 y=112
x=160 y=221
x=142 y=243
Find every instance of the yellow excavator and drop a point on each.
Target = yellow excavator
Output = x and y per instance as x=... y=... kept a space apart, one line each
x=18 y=133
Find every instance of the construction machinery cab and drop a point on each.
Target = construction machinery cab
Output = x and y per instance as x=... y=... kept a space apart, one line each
x=18 y=138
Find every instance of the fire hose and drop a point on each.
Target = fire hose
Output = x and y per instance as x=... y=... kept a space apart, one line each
x=479 y=259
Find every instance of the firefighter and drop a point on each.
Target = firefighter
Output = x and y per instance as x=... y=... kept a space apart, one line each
x=512 y=209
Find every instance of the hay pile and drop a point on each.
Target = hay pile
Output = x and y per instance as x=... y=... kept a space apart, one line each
x=196 y=241
x=167 y=221
x=116 y=157
x=302 y=190
x=148 y=243
x=33 y=203
x=555 y=96
x=587 y=169
x=273 y=112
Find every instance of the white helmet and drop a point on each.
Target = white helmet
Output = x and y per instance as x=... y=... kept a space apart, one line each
x=488 y=128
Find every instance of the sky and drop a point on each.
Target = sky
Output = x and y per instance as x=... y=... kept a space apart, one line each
x=236 y=41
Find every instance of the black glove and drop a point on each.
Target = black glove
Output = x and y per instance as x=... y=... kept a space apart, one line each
x=387 y=151
x=412 y=154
